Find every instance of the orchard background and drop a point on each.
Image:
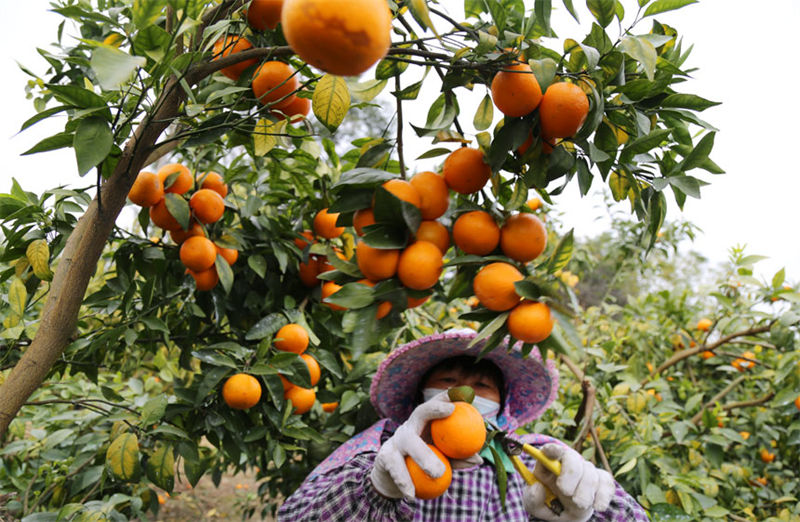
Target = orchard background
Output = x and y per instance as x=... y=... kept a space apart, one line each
x=113 y=361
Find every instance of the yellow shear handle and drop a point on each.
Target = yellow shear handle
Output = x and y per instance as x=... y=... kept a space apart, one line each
x=530 y=479
x=553 y=466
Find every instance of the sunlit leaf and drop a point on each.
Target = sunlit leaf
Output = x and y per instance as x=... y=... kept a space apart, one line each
x=331 y=101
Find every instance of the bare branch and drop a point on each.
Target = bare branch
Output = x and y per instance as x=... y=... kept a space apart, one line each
x=725 y=391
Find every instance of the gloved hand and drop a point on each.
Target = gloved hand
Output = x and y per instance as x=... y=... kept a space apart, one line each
x=581 y=487
x=389 y=474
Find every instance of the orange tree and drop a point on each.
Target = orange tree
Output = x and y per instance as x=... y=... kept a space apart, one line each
x=121 y=336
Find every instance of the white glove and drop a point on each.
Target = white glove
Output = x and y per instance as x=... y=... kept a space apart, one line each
x=390 y=475
x=581 y=487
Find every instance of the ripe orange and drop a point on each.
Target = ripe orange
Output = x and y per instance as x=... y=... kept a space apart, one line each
x=228 y=254
x=413 y=302
x=302 y=244
x=434 y=232
x=426 y=487
x=161 y=217
x=291 y=338
x=404 y=190
x=745 y=434
x=325 y=224
x=376 y=263
x=308 y=272
x=285 y=382
x=797 y=402
x=180 y=235
x=233 y=44
x=274 y=83
x=461 y=434
x=530 y=322
x=147 y=190
x=707 y=354
x=384 y=307
x=420 y=265
x=313 y=368
x=704 y=324
x=363 y=217
x=207 y=206
x=534 y=204
x=328 y=289
x=476 y=233
x=494 y=286
x=181 y=182
x=295 y=110
x=213 y=181
x=523 y=237
x=515 y=91
x=302 y=398
x=465 y=171
x=198 y=253
x=563 y=110
x=205 y=280
x=433 y=192
x=743 y=364
x=766 y=455
x=241 y=391
x=264 y=14
x=342 y=37
x=329 y=407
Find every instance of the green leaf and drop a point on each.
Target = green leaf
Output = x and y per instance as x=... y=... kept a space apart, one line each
x=643 y=52
x=54 y=142
x=113 y=67
x=389 y=68
x=331 y=101
x=42 y=115
x=77 y=97
x=419 y=10
x=687 y=101
x=352 y=296
x=122 y=458
x=363 y=92
x=646 y=143
x=161 y=467
x=146 y=12
x=179 y=208
x=542 y=9
x=571 y=9
x=661 y=6
x=502 y=477
x=484 y=115
x=194 y=470
x=266 y=327
x=490 y=328
x=699 y=153
x=153 y=410
x=562 y=253
x=362 y=177
x=473 y=8
x=544 y=70
x=224 y=272
x=602 y=10
x=434 y=153
x=409 y=93
x=93 y=141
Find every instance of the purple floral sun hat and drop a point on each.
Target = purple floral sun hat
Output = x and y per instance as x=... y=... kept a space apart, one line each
x=531 y=384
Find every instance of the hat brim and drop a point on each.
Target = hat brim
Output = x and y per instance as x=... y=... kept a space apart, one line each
x=531 y=384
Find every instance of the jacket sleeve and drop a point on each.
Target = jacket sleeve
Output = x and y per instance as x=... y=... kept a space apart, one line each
x=343 y=494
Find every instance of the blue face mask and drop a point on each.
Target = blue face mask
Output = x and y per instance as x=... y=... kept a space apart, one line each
x=487 y=407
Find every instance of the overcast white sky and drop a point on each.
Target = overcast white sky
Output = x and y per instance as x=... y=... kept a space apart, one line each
x=743 y=51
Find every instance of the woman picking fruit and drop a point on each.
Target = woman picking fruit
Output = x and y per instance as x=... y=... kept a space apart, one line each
x=391 y=472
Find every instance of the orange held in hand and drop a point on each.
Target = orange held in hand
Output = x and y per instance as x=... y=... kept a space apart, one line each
x=476 y=233
x=228 y=46
x=198 y=253
x=494 y=286
x=426 y=487
x=241 y=391
x=291 y=338
x=563 y=110
x=147 y=190
x=515 y=91
x=465 y=171
x=530 y=322
x=207 y=206
x=342 y=37
x=523 y=237
x=460 y=435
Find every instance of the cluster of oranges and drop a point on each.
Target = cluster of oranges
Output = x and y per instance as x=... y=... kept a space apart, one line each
x=207 y=205
x=458 y=436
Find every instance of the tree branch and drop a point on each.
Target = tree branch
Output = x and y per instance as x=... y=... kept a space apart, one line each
x=725 y=391
x=599 y=446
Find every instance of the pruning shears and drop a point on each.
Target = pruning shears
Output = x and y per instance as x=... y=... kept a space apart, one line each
x=514 y=449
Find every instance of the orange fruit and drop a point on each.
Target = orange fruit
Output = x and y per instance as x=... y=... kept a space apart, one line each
x=291 y=337
x=205 y=280
x=522 y=149
x=264 y=14
x=563 y=110
x=274 y=83
x=161 y=217
x=433 y=193
x=534 y=204
x=233 y=44
x=241 y=391
x=213 y=181
x=530 y=322
x=523 y=237
x=384 y=307
x=363 y=217
x=426 y=487
x=228 y=254
x=329 y=407
x=515 y=91
x=797 y=402
x=420 y=265
x=308 y=272
x=707 y=354
x=342 y=37
x=476 y=233
x=302 y=244
x=494 y=286
x=403 y=190
x=295 y=110
x=465 y=171
x=704 y=324
x=328 y=289
x=285 y=382
x=744 y=364
x=461 y=434
x=325 y=224
x=434 y=232
x=302 y=398
x=180 y=235
x=147 y=190
x=766 y=456
x=376 y=263
x=181 y=180
x=313 y=368
x=745 y=434
x=207 y=206
x=413 y=302
x=198 y=253
x=762 y=480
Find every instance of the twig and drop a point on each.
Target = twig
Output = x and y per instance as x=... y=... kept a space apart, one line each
x=584 y=413
x=572 y=366
x=599 y=446
x=725 y=391
x=400 y=128
x=751 y=402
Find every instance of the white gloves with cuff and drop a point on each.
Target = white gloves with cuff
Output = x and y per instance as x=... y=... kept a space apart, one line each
x=581 y=487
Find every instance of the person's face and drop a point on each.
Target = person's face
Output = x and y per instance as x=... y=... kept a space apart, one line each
x=445 y=378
